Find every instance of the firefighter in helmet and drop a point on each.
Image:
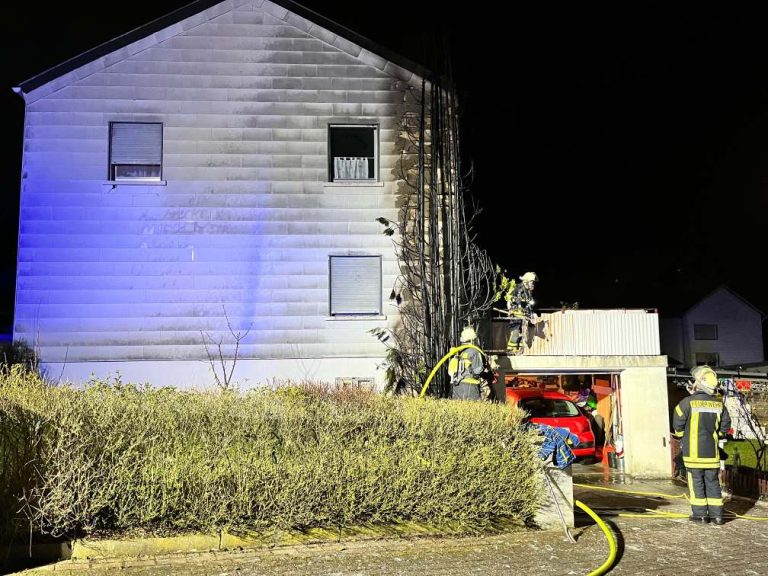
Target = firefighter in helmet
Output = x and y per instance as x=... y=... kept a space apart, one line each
x=465 y=369
x=520 y=310
x=700 y=420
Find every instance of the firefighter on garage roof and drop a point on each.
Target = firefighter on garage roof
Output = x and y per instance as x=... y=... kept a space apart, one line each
x=520 y=310
x=700 y=420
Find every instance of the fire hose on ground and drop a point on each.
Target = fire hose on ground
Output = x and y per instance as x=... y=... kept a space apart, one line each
x=649 y=513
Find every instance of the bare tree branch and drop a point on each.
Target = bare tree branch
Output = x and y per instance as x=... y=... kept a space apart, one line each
x=222 y=365
x=446 y=280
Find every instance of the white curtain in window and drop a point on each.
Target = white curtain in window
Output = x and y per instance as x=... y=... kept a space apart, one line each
x=350 y=168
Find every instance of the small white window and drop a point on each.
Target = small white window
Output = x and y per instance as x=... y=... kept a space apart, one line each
x=355 y=283
x=353 y=151
x=135 y=151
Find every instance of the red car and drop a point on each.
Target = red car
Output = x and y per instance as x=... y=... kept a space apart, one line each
x=555 y=409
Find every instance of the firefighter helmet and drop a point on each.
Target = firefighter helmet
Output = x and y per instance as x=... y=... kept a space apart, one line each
x=529 y=277
x=468 y=334
x=705 y=379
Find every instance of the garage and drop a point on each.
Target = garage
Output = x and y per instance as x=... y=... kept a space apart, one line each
x=615 y=353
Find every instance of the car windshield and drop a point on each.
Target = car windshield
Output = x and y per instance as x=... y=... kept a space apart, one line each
x=549 y=408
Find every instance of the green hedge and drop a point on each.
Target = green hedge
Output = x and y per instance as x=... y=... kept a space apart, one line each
x=117 y=457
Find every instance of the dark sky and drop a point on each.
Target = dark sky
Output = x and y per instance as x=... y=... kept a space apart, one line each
x=620 y=150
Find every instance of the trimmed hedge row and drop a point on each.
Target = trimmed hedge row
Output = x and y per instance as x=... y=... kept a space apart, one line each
x=114 y=457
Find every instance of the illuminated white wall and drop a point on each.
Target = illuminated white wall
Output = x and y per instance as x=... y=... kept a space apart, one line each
x=739 y=329
x=127 y=276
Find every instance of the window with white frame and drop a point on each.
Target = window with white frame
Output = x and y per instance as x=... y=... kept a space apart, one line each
x=353 y=151
x=135 y=151
x=355 y=285
x=705 y=331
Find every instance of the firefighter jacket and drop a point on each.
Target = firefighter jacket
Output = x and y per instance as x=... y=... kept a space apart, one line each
x=470 y=366
x=700 y=420
x=521 y=302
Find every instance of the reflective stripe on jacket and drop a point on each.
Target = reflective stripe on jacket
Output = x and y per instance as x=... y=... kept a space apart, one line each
x=470 y=365
x=700 y=420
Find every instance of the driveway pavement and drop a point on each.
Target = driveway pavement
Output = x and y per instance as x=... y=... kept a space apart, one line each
x=647 y=545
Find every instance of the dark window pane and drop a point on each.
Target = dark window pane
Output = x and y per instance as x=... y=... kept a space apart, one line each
x=137 y=171
x=707 y=358
x=352 y=153
x=705 y=331
x=352 y=141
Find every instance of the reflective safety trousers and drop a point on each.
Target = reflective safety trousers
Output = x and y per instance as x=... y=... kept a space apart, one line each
x=700 y=420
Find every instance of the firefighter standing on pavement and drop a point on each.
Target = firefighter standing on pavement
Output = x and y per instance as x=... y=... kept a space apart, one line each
x=701 y=420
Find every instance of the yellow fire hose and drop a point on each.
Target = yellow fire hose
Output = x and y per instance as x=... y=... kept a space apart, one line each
x=654 y=514
x=605 y=566
x=661 y=514
x=451 y=352
x=608 y=535
x=649 y=513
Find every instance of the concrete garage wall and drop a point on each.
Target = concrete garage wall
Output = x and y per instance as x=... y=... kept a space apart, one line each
x=645 y=414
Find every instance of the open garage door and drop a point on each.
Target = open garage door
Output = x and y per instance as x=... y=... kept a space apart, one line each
x=597 y=396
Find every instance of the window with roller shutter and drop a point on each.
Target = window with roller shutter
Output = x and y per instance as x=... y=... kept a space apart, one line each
x=355 y=285
x=135 y=151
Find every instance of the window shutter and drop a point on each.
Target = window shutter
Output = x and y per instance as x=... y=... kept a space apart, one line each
x=355 y=285
x=137 y=143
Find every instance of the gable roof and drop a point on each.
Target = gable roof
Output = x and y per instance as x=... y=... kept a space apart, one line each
x=724 y=288
x=680 y=300
x=292 y=12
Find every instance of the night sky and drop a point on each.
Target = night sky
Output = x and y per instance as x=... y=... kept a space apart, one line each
x=620 y=151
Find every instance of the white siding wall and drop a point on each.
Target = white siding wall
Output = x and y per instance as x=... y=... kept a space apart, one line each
x=739 y=329
x=246 y=221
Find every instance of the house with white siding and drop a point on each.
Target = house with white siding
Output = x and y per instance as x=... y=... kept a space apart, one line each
x=720 y=329
x=211 y=181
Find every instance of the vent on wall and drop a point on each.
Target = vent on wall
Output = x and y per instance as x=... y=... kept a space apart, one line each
x=357 y=381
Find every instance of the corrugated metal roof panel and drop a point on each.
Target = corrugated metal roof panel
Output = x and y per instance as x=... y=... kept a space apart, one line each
x=598 y=333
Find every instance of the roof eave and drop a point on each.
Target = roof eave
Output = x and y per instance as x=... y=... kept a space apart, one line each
x=190 y=10
x=733 y=293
